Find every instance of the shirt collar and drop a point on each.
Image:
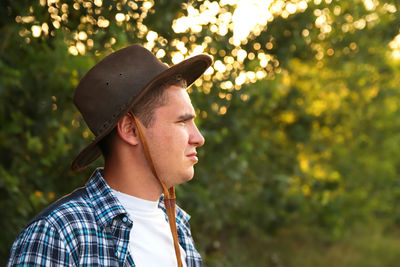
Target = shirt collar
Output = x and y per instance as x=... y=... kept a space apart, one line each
x=182 y=218
x=105 y=204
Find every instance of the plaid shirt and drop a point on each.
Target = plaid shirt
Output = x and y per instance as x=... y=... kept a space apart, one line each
x=89 y=227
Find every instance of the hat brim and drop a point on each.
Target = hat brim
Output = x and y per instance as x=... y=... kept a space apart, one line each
x=190 y=70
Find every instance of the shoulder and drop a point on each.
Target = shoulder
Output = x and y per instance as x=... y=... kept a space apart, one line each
x=48 y=237
x=71 y=208
x=39 y=244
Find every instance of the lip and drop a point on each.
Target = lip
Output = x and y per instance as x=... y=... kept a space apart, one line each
x=193 y=156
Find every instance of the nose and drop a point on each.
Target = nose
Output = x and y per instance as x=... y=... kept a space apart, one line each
x=196 y=138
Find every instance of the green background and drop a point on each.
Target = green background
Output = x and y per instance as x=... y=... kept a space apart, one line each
x=301 y=119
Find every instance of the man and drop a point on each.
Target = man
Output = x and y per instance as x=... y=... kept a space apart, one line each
x=143 y=122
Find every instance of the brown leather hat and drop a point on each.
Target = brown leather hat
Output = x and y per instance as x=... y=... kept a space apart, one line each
x=114 y=85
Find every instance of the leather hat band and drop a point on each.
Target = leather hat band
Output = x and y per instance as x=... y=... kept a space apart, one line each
x=169 y=194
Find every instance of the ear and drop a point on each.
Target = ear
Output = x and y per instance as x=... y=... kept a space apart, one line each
x=127 y=130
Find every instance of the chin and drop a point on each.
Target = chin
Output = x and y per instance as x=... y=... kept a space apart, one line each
x=189 y=178
x=186 y=177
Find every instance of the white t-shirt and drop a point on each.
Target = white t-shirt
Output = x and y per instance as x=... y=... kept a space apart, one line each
x=150 y=241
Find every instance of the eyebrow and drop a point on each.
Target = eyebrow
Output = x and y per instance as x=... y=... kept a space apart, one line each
x=187 y=116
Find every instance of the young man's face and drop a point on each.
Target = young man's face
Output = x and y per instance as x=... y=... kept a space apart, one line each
x=173 y=137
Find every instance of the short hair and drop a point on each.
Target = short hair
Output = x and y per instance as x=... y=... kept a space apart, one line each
x=155 y=98
x=144 y=110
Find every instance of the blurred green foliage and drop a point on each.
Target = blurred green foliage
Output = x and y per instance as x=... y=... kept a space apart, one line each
x=301 y=117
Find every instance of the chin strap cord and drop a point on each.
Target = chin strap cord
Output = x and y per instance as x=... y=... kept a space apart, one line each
x=169 y=195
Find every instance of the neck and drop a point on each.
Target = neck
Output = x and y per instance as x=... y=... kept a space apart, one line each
x=132 y=175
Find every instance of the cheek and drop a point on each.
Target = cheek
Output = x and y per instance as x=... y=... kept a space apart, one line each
x=164 y=143
x=169 y=140
x=169 y=137
x=176 y=140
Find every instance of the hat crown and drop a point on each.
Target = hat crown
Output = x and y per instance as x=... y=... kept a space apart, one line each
x=112 y=84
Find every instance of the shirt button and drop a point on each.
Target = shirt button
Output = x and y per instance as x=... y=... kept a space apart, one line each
x=125 y=219
x=116 y=254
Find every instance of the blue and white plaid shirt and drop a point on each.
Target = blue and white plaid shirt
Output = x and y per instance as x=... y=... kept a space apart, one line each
x=89 y=227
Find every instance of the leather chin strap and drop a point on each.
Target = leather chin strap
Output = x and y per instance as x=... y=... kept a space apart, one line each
x=169 y=194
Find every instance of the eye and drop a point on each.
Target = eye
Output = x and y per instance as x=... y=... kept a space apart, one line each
x=183 y=120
